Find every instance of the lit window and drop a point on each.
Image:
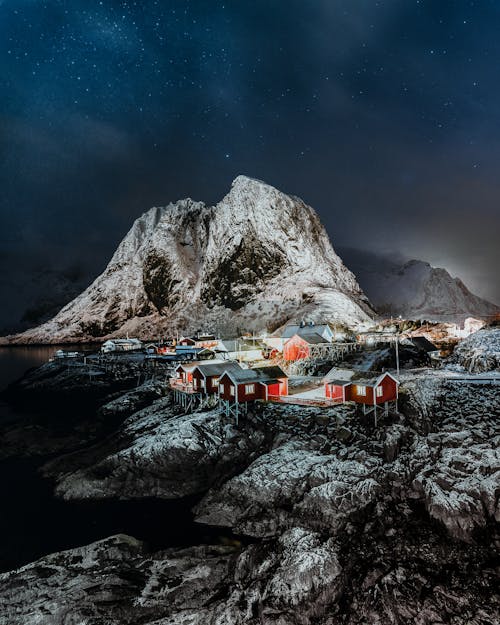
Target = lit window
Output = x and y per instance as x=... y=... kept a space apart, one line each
x=231 y=390
x=380 y=391
x=361 y=390
x=215 y=382
x=249 y=388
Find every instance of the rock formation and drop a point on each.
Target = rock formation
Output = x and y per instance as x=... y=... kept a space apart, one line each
x=336 y=521
x=253 y=261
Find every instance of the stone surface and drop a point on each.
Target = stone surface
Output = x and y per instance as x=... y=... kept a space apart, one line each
x=337 y=522
x=157 y=453
x=480 y=352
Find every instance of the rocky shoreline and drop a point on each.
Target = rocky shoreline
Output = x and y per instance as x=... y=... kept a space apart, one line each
x=337 y=522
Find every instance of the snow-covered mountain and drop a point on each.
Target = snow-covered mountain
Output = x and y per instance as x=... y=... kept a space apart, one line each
x=415 y=289
x=255 y=260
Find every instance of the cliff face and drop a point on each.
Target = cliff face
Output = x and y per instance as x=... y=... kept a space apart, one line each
x=256 y=259
x=415 y=289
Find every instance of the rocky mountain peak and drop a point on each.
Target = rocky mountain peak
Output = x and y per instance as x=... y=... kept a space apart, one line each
x=253 y=261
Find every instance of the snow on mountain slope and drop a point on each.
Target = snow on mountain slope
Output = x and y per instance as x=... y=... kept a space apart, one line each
x=415 y=289
x=253 y=261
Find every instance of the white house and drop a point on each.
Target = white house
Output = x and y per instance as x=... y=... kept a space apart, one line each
x=247 y=350
x=121 y=345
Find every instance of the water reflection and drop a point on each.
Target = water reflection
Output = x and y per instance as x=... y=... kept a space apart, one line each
x=16 y=360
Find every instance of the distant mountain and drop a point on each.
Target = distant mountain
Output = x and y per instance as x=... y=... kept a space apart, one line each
x=255 y=260
x=415 y=289
x=32 y=296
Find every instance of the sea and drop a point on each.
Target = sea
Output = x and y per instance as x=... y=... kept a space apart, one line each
x=33 y=523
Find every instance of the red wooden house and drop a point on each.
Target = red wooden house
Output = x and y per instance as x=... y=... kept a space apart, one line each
x=250 y=384
x=372 y=392
x=184 y=373
x=206 y=376
x=186 y=341
x=299 y=346
x=337 y=389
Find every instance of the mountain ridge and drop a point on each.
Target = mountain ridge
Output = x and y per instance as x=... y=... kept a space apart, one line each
x=415 y=289
x=256 y=259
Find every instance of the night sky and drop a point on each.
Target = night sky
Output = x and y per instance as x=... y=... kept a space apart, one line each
x=384 y=116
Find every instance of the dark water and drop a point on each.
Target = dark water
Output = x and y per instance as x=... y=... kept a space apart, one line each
x=15 y=361
x=33 y=523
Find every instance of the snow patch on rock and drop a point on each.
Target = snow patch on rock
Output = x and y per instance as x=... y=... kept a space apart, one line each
x=480 y=352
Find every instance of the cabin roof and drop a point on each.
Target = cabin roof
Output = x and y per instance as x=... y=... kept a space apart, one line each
x=338 y=373
x=217 y=368
x=259 y=374
x=189 y=366
x=293 y=329
x=374 y=381
x=240 y=345
x=423 y=343
x=310 y=338
x=123 y=341
x=339 y=382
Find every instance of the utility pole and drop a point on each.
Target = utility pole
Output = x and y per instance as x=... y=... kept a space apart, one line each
x=397 y=353
x=397 y=345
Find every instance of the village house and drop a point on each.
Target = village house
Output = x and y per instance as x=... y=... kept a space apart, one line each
x=246 y=385
x=190 y=352
x=121 y=345
x=299 y=346
x=185 y=341
x=206 y=340
x=159 y=349
x=276 y=341
x=184 y=375
x=206 y=377
x=303 y=328
x=298 y=340
x=229 y=383
x=423 y=345
x=243 y=350
x=370 y=393
x=374 y=338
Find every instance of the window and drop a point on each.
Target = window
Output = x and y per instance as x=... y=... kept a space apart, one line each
x=361 y=390
x=202 y=383
x=231 y=390
x=249 y=389
x=380 y=391
x=215 y=382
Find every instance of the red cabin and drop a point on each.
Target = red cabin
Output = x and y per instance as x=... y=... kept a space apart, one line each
x=184 y=373
x=186 y=341
x=298 y=347
x=206 y=377
x=250 y=384
x=371 y=392
x=337 y=389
